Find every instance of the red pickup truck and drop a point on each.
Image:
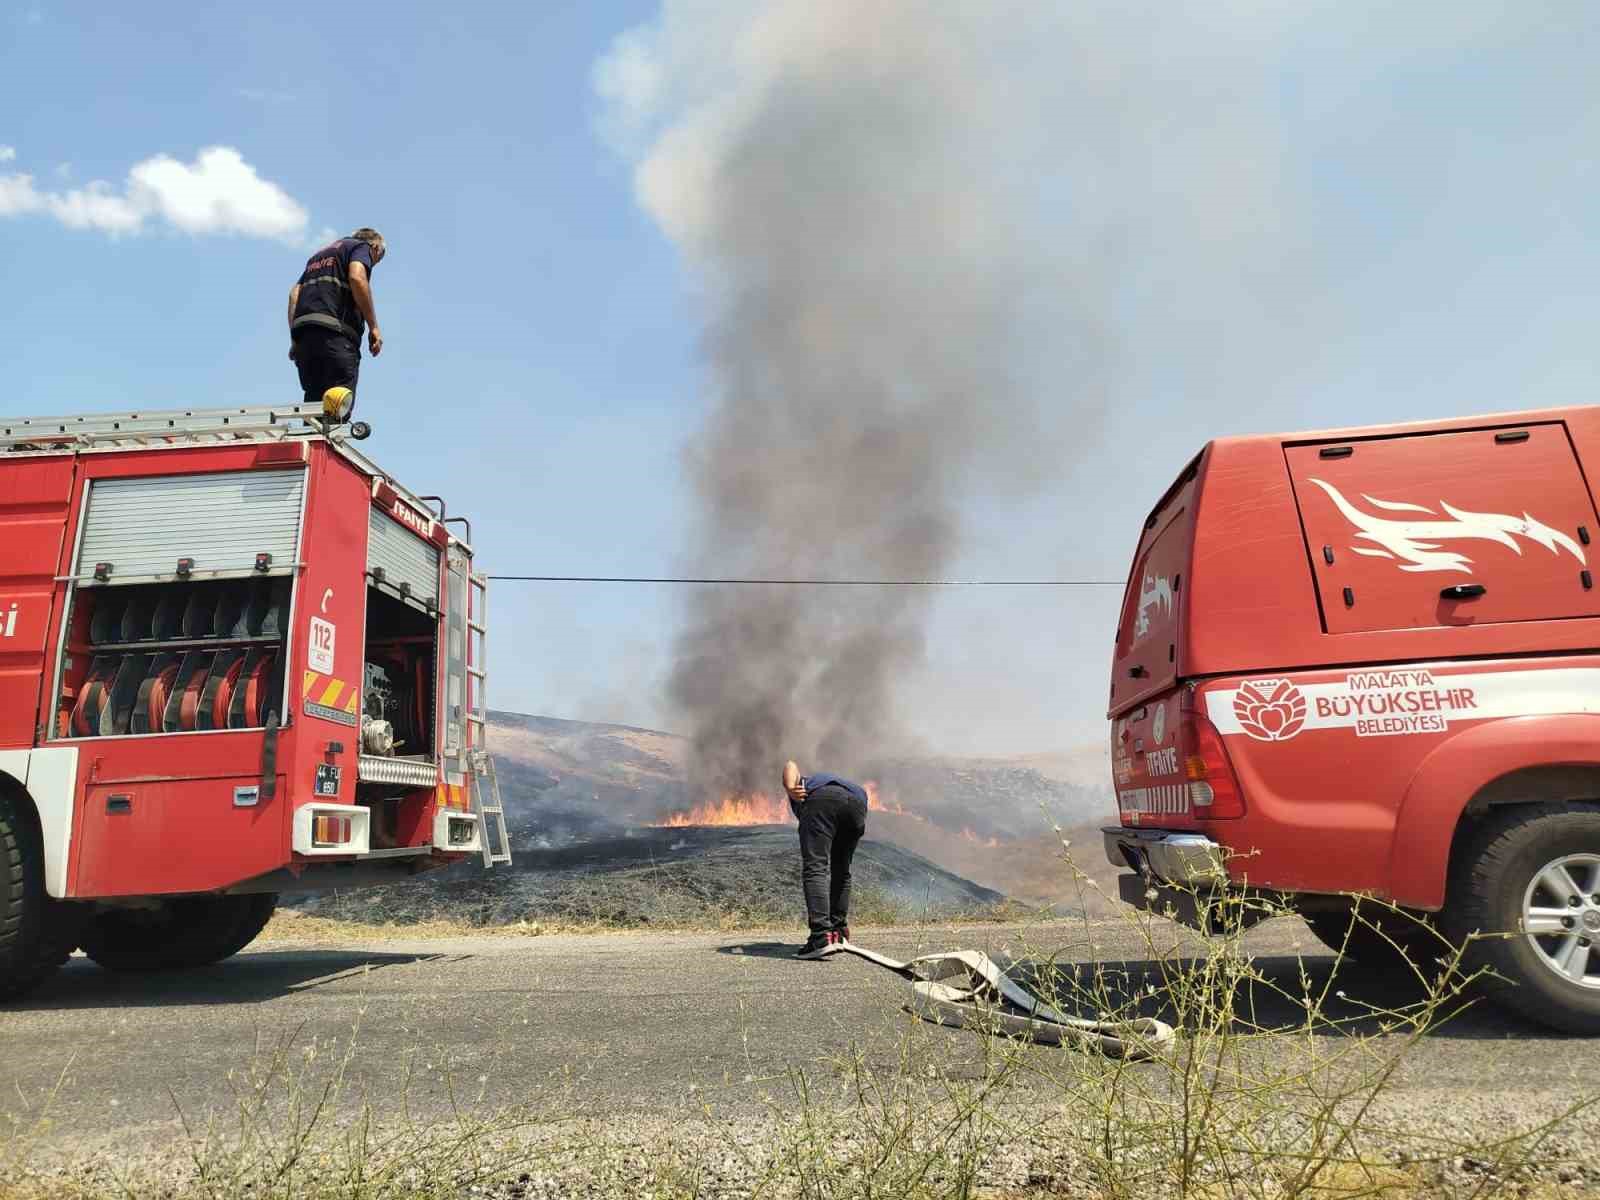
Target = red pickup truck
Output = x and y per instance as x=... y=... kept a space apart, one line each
x=1363 y=662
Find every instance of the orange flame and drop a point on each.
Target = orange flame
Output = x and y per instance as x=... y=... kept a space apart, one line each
x=759 y=808
x=988 y=843
x=752 y=808
x=876 y=803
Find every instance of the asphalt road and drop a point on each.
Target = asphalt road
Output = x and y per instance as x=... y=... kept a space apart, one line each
x=608 y=1023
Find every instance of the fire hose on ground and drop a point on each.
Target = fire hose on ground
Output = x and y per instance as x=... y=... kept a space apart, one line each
x=966 y=989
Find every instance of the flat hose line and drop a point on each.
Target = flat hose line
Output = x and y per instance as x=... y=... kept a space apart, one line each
x=966 y=989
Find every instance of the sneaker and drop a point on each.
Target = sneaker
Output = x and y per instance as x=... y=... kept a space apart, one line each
x=843 y=933
x=817 y=945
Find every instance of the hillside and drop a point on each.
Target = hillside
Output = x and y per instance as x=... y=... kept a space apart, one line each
x=618 y=776
x=1032 y=869
x=588 y=806
x=984 y=820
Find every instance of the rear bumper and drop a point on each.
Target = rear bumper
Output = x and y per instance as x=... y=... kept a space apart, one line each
x=1184 y=859
x=1183 y=877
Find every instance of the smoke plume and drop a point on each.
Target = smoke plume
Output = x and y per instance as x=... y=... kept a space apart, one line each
x=940 y=244
x=855 y=186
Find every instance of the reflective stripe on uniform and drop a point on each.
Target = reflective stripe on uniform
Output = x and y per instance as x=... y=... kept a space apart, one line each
x=327 y=322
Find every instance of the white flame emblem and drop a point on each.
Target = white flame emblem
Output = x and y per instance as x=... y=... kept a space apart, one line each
x=1155 y=591
x=1416 y=542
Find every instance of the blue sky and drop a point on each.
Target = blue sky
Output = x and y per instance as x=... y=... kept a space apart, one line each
x=1330 y=217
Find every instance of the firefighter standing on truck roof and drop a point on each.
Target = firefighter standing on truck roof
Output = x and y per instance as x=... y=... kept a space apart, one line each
x=326 y=308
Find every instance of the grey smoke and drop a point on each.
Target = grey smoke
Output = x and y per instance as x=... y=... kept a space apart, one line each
x=935 y=244
x=885 y=297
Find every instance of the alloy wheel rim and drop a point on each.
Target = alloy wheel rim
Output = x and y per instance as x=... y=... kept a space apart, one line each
x=1561 y=918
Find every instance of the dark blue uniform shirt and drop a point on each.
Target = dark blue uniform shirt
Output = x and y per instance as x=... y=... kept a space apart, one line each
x=823 y=779
x=325 y=296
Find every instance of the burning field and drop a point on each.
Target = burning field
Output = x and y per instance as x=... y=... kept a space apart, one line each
x=608 y=833
x=608 y=830
x=608 y=789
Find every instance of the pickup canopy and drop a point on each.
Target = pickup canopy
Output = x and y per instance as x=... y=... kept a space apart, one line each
x=1447 y=528
x=1240 y=548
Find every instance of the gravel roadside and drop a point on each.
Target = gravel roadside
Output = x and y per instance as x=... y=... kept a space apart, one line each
x=701 y=1064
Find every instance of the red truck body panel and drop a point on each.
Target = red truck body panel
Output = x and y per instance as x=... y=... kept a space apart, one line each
x=1379 y=623
x=205 y=809
x=34 y=499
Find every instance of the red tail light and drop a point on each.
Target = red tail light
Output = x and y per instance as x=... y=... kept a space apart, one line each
x=1214 y=793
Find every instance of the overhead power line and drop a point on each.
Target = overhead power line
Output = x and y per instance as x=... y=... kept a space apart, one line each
x=928 y=583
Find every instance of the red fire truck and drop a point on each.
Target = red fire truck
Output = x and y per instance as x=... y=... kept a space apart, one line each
x=1363 y=662
x=236 y=659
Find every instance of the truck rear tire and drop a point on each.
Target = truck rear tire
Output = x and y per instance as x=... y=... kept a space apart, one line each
x=185 y=931
x=36 y=933
x=1533 y=872
x=1377 y=936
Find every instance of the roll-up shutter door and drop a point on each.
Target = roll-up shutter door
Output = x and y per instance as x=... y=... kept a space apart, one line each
x=404 y=559
x=143 y=526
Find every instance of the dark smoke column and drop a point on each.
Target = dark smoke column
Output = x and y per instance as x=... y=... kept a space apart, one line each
x=850 y=183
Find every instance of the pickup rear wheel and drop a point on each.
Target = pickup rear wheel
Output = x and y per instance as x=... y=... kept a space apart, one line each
x=1377 y=936
x=1533 y=873
x=36 y=933
x=186 y=931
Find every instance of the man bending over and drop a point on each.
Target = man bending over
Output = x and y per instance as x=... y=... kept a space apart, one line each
x=833 y=818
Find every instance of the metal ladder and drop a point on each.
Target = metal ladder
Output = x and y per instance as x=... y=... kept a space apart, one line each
x=155 y=428
x=485 y=784
x=159 y=427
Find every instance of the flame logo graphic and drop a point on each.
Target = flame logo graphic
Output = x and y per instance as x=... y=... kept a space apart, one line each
x=1154 y=592
x=1414 y=543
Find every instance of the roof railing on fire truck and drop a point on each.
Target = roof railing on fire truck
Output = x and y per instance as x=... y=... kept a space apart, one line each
x=155 y=428
x=159 y=427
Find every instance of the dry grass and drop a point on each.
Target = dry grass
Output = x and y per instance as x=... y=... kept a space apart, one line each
x=306 y=930
x=292 y=927
x=668 y=899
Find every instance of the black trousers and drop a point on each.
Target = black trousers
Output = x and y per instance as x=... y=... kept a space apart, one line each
x=832 y=822
x=325 y=358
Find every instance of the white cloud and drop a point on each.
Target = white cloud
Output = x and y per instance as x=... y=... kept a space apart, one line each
x=17 y=196
x=7 y=153
x=95 y=207
x=217 y=193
